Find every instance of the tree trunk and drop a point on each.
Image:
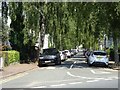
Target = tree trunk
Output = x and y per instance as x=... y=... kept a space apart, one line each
x=116 y=56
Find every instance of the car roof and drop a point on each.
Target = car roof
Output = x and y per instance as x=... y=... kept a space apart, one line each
x=49 y=48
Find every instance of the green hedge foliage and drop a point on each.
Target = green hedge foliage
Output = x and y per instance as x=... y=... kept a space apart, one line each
x=10 y=57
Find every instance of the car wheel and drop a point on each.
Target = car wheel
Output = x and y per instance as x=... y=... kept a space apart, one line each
x=57 y=62
x=106 y=66
x=40 y=64
x=89 y=64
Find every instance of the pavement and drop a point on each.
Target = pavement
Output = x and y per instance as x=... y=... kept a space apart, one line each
x=16 y=69
x=20 y=68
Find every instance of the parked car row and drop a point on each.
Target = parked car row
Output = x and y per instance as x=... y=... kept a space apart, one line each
x=97 y=58
x=53 y=55
x=63 y=55
x=68 y=53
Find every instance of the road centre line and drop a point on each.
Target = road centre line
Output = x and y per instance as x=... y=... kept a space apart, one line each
x=78 y=76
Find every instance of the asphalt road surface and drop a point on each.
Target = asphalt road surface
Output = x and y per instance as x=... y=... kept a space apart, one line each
x=72 y=73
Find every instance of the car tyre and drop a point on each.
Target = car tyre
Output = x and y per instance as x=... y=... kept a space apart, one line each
x=89 y=64
x=57 y=62
x=106 y=66
x=40 y=64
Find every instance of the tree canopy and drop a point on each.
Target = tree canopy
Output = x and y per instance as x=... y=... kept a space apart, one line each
x=70 y=24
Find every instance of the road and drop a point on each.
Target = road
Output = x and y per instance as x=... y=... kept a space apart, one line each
x=72 y=73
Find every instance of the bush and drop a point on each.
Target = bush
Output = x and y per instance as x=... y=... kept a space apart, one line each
x=10 y=57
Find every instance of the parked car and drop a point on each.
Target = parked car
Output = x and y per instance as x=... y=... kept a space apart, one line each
x=68 y=53
x=73 y=51
x=49 y=55
x=63 y=55
x=87 y=54
x=98 y=57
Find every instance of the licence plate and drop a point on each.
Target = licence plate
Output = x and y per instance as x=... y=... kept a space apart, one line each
x=47 y=61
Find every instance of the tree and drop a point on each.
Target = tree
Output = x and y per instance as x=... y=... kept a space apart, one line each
x=17 y=25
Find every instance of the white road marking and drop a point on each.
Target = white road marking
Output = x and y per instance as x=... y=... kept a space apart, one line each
x=108 y=79
x=40 y=87
x=75 y=83
x=50 y=68
x=100 y=72
x=107 y=69
x=71 y=66
x=92 y=71
x=75 y=62
x=115 y=77
x=99 y=78
x=32 y=84
x=92 y=81
x=77 y=76
x=86 y=77
x=57 y=85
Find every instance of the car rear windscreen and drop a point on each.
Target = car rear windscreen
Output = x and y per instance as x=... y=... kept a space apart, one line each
x=49 y=51
x=99 y=53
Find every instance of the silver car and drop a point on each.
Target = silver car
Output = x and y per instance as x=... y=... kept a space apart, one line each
x=98 y=57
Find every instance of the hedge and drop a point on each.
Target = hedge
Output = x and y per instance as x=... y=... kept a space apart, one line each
x=10 y=57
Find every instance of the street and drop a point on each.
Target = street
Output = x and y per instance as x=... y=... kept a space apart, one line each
x=72 y=73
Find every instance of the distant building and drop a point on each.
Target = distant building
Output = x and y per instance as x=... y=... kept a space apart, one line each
x=46 y=41
x=108 y=42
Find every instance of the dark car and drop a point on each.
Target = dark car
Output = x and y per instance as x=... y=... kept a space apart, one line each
x=51 y=55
